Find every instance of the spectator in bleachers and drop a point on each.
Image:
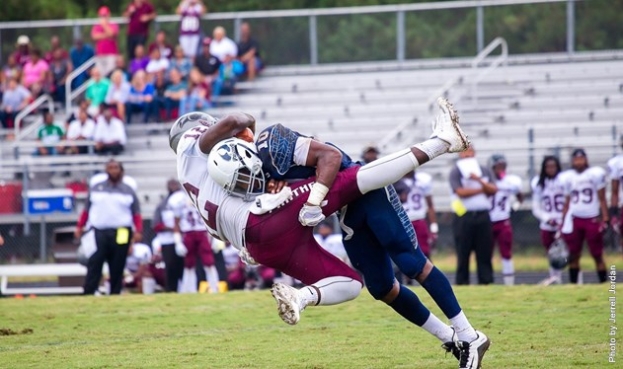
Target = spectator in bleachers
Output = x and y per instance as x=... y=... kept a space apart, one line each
x=55 y=44
x=181 y=63
x=35 y=73
x=160 y=43
x=370 y=153
x=80 y=129
x=160 y=85
x=198 y=94
x=249 y=52
x=140 y=60
x=190 y=12
x=226 y=50
x=223 y=47
x=141 y=98
x=49 y=135
x=174 y=93
x=22 y=52
x=79 y=55
x=83 y=105
x=120 y=66
x=140 y=13
x=60 y=67
x=15 y=98
x=118 y=92
x=209 y=65
x=109 y=135
x=157 y=65
x=12 y=70
x=96 y=90
x=104 y=35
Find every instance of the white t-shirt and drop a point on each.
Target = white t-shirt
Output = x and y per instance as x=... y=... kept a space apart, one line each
x=420 y=186
x=77 y=129
x=508 y=187
x=101 y=177
x=109 y=132
x=548 y=202
x=190 y=220
x=225 y=216
x=582 y=189
x=155 y=66
x=225 y=47
x=333 y=243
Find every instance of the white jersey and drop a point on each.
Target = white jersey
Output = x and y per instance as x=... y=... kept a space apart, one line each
x=508 y=187
x=420 y=186
x=333 y=243
x=582 y=189
x=548 y=202
x=615 y=172
x=190 y=220
x=225 y=216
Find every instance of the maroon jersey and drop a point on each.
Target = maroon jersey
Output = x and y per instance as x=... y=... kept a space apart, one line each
x=190 y=22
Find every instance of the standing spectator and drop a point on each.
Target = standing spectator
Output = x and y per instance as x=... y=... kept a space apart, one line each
x=419 y=206
x=104 y=35
x=22 y=53
x=223 y=47
x=97 y=90
x=472 y=187
x=109 y=135
x=181 y=63
x=509 y=186
x=174 y=93
x=190 y=12
x=79 y=55
x=12 y=70
x=15 y=98
x=55 y=45
x=370 y=153
x=585 y=201
x=198 y=94
x=118 y=92
x=49 y=135
x=60 y=67
x=80 y=129
x=141 y=98
x=111 y=209
x=140 y=60
x=249 y=52
x=157 y=65
x=163 y=224
x=160 y=43
x=35 y=73
x=140 y=13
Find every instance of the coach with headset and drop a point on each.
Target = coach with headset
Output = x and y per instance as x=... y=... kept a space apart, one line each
x=112 y=208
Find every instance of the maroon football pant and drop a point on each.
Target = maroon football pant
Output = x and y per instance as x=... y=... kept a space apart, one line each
x=585 y=229
x=198 y=245
x=503 y=236
x=423 y=237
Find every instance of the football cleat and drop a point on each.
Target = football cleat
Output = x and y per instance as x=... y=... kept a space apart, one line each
x=446 y=127
x=288 y=302
x=471 y=353
x=451 y=346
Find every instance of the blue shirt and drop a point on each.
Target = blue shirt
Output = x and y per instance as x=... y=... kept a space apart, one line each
x=136 y=97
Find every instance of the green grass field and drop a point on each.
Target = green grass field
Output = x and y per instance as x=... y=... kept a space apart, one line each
x=529 y=326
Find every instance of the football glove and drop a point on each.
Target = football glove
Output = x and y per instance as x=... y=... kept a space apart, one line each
x=311 y=215
x=180 y=248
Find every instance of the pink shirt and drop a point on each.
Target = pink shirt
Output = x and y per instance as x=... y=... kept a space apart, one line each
x=106 y=46
x=33 y=72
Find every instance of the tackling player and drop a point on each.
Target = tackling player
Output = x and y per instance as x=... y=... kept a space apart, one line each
x=585 y=200
x=508 y=185
x=419 y=205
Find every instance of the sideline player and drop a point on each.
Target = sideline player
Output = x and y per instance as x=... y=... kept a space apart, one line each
x=419 y=206
x=508 y=185
x=585 y=199
x=548 y=200
x=615 y=172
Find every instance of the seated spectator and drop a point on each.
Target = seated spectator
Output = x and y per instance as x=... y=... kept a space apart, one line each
x=174 y=93
x=161 y=44
x=104 y=34
x=157 y=65
x=11 y=70
x=141 y=98
x=80 y=54
x=83 y=105
x=22 y=53
x=80 y=129
x=210 y=66
x=181 y=63
x=198 y=94
x=118 y=92
x=248 y=52
x=60 y=67
x=49 y=135
x=15 y=98
x=223 y=47
x=55 y=44
x=140 y=61
x=120 y=65
x=143 y=263
x=96 y=91
x=35 y=73
x=190 y=12
x=109 y=135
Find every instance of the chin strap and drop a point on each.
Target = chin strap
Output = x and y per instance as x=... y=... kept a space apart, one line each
x=271 y=201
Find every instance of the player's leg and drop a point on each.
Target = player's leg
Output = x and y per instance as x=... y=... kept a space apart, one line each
x=595 y=241
x=503 y=232
x=189 y=276
x=423 y=236
x=174 y=267
x=463 y=240
x=482 y=242
x=574 y=241
x=207 y=259
x=96 y=262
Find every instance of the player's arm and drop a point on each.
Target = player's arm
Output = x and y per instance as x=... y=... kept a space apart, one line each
x=227 y=127
x=327 y=161
x=614 y=198
x=565 y=208
x=601 y=195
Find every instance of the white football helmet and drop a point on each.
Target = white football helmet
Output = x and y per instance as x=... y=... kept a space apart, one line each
x=186 y=122
x=235 y=166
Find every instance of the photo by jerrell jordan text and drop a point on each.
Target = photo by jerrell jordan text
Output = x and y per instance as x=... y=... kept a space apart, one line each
x=613 y=314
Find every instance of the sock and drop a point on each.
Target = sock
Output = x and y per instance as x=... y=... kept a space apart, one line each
x=601 y=274
x=439 y=288
x=189 y=281
x=573 y=274
x=386 y=170
x=410 y=307
x=212 y=276
x=580 y=277
x=464 y=330
x=555 y=273
x=433 y=147
x=508 y=271
x=330 y=291
x=439 y=329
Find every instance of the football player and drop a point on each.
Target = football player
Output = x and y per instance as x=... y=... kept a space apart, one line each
x=419 y=205
x=509 y=187
x=585 y=200
x=615 y=172
x=548 y=200
x=376 y=231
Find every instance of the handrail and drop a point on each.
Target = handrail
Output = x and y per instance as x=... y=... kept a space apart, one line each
x=501 y=59
x=27 y=110
x=71 y=95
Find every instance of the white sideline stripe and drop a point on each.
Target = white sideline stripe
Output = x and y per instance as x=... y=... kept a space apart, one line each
x=37 y=270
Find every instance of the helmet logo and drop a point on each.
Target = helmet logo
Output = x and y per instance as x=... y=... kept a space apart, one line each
x=225 y=152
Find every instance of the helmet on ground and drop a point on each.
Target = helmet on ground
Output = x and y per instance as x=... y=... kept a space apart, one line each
x=234 y=165
x=558 y=254
x=186 y=122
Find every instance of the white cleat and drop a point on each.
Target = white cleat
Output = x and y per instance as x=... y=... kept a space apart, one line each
x=471 y=353
x=288 y=302
x=446 y=127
